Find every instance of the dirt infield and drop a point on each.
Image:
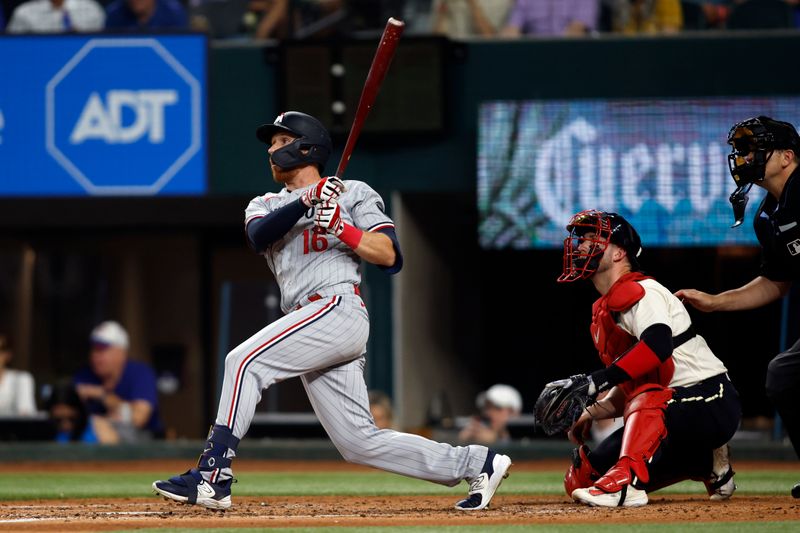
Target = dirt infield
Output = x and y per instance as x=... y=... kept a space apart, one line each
x=269 y=512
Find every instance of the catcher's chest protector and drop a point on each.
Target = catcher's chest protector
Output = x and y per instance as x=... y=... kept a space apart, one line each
x=611 y=340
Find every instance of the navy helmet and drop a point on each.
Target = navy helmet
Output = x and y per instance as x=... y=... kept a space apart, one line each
x=312 y=146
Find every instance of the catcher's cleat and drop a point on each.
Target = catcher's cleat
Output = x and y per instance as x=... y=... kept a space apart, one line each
x=627 y=496
x=483 y=487
x=720 y=485
x=192 y=489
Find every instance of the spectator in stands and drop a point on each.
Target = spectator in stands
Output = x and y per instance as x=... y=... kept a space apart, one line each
x=117 y=389
x=459 y=19
x=498 y=404
x=17 y=397
x=380 y=405
x=56 y=16
x=552 y=18
x=146 y=15
x=645 y=16
x=71 y=421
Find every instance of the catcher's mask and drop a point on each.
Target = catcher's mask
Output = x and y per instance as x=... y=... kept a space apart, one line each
x=313 y=145
x=598 y=229
x=759 y=136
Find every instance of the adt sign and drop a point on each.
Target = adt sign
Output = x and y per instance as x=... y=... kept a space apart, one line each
x=123 y=116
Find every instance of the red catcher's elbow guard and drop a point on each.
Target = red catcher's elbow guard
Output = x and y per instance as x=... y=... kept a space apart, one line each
x=639 y=360
x=581 y=474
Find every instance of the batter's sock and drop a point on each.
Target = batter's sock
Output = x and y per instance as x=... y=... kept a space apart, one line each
x=220 y=449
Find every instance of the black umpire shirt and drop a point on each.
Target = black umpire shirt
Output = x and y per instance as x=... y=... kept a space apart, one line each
x=777 y=226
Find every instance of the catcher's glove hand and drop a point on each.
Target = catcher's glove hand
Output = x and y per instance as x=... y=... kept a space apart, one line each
x=561 y=403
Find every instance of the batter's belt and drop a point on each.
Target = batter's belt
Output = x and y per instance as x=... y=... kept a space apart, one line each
x=343 y=288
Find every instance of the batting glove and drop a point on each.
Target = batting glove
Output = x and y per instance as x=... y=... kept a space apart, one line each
x=328 y=217
x=324 y=190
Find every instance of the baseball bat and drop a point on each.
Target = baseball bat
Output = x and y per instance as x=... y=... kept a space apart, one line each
x=377 y=71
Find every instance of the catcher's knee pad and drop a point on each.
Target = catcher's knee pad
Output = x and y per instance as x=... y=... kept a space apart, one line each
x=581 y=473
x=645 y=428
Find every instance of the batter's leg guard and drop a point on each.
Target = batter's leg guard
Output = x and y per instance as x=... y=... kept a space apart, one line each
x=581 y=473
x=644 y=430
x=208 y=485
x=218 y=453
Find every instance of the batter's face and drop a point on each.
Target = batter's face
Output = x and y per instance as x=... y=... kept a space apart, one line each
x=279 y=174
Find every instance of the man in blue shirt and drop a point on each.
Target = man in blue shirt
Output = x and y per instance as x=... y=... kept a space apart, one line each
x=119 y=389
x=146 y=14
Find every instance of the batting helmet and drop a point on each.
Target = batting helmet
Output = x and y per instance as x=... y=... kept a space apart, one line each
x=313 y=145
x=759 y=136
x=602 y=228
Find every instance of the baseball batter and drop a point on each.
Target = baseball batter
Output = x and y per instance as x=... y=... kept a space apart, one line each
x=314 y=235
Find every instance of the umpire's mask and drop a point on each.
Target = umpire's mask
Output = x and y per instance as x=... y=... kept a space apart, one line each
x=759 y=136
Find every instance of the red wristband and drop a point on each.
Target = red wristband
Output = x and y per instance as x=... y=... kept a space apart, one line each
x=351 y=235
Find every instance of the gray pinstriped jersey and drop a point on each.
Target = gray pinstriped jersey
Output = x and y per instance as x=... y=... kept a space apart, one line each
x=304 y=262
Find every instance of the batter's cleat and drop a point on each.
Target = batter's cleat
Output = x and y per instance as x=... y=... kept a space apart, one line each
x=192 y=489
x=483 y=487
x=628 y=496
x=796 y=491
x=720 y=485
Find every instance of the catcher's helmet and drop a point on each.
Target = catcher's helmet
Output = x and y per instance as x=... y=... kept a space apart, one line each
x=311 y=136
x=758 y=136
x=603 y=228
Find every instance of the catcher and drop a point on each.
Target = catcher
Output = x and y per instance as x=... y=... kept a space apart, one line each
x=680 y=408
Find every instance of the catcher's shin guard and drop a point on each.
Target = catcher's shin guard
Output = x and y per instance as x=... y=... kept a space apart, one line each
x=581 y=473
x=644 y=431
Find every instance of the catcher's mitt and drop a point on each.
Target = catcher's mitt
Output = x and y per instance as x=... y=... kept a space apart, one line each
x=561 y=403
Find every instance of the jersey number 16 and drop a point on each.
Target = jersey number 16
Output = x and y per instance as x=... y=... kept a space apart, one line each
x=315 y=242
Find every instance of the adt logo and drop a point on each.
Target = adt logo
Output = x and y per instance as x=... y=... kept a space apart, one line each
x=123 y=116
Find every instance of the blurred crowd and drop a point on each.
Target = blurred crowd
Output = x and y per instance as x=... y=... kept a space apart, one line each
x=457 y=19
x=112 y=399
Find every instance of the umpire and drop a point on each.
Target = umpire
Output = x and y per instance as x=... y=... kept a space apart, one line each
x=766 y=152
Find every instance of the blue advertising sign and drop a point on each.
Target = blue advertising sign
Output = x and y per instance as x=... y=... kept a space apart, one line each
x=83 y=115
x=660 y=163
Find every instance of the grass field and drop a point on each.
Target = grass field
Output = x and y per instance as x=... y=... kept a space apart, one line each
x=43 y=485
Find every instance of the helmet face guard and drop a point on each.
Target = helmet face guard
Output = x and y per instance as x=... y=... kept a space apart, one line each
x=758 y=138
x=581 y=262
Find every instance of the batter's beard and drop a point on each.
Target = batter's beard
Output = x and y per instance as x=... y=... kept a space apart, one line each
x=283 y=176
